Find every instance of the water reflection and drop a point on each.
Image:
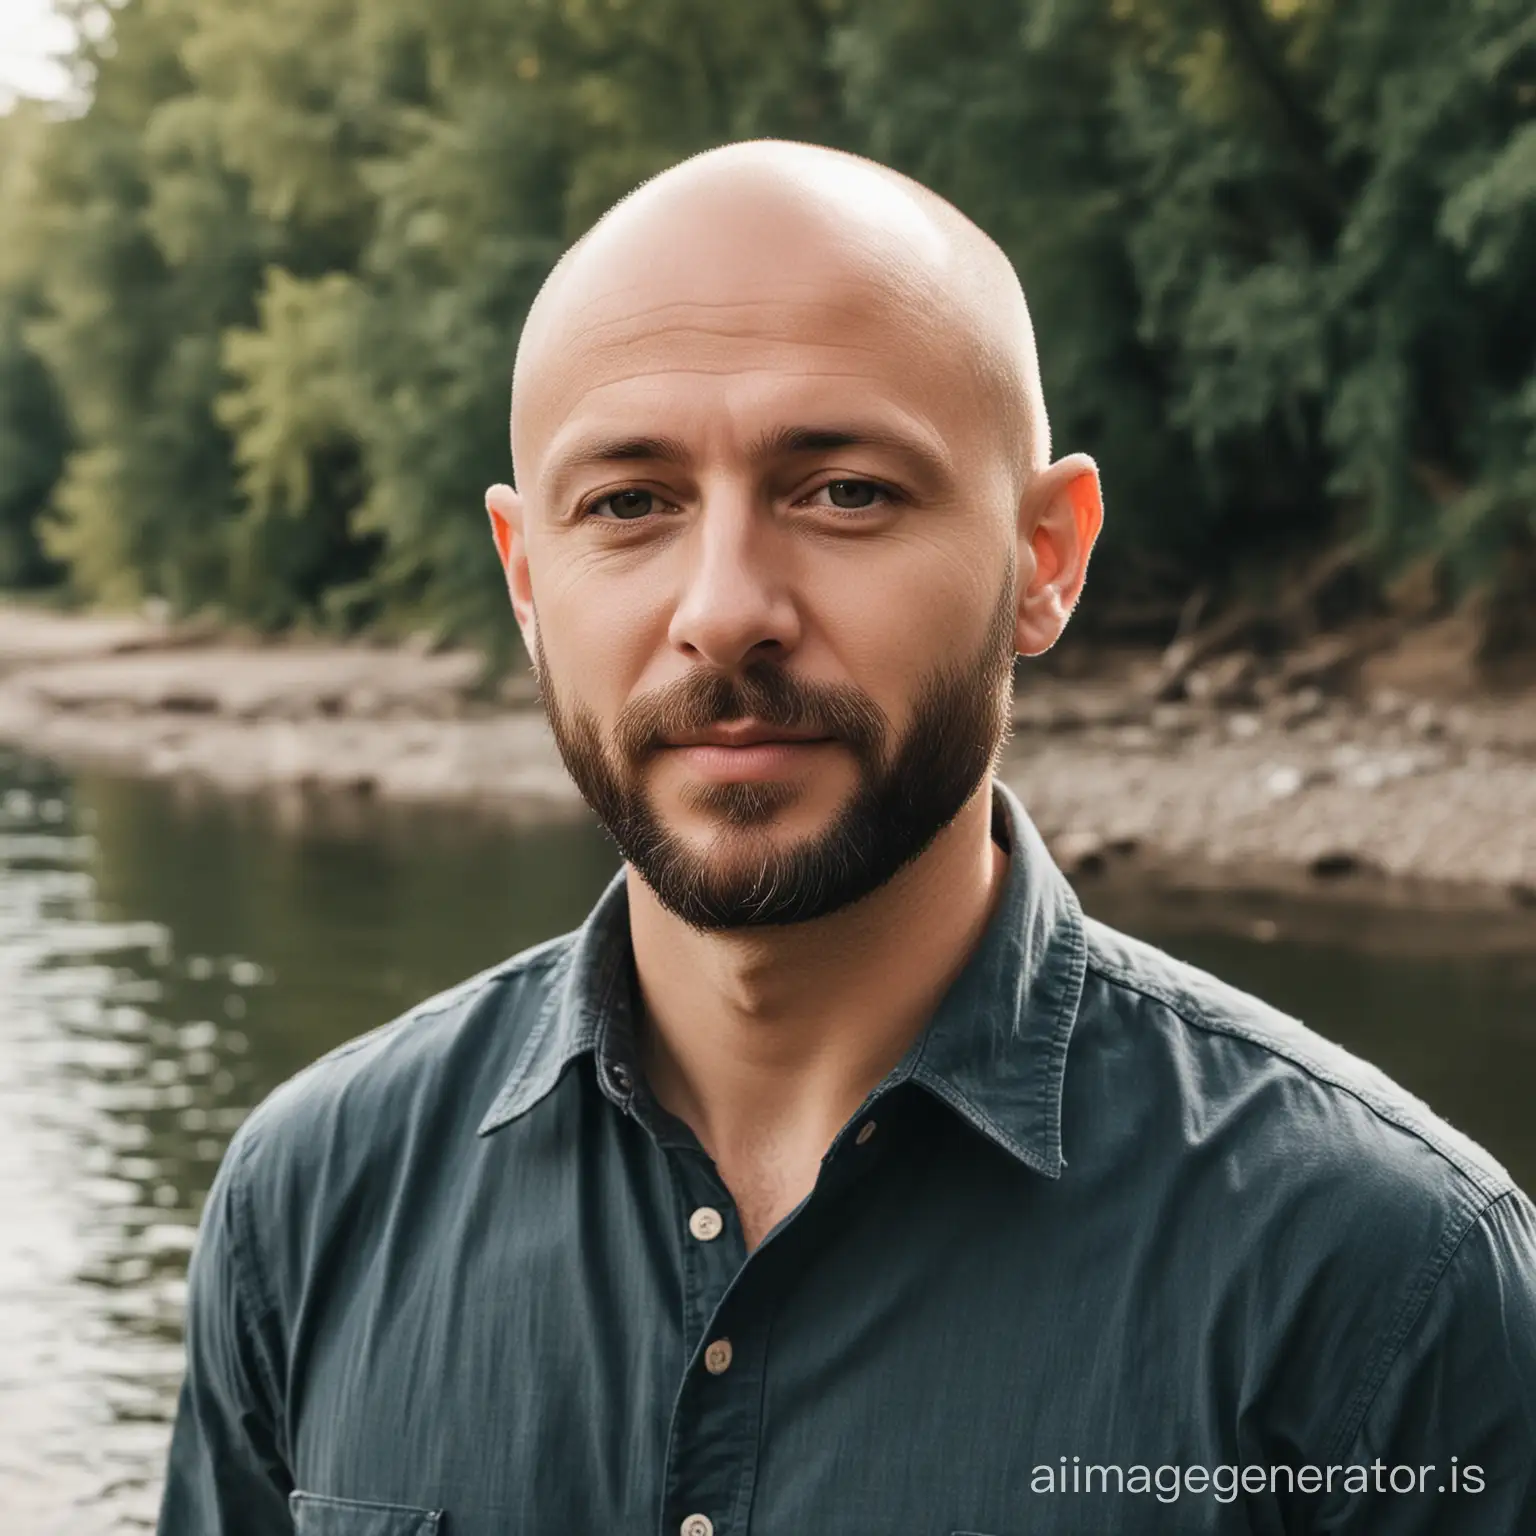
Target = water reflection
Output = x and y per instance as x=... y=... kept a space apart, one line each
x=167 y=957
x=97 y=1212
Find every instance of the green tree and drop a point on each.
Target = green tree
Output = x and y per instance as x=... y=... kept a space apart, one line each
x=139 y=239
x=152 y=253
x=33 y=435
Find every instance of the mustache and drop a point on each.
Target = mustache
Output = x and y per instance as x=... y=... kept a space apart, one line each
x=762 y=691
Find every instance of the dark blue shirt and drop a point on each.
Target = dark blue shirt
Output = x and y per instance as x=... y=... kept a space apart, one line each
x=1116 y=1248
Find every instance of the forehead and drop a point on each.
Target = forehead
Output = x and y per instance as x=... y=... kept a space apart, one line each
x=707 y=350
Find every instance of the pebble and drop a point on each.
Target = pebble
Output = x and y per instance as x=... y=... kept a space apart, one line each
x=1283 y=781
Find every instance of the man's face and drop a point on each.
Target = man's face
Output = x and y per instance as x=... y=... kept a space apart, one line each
x=770 y=543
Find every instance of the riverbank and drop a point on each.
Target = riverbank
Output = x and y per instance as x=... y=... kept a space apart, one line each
x=1397 y=777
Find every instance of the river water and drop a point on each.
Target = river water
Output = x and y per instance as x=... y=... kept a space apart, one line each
x=168 y=956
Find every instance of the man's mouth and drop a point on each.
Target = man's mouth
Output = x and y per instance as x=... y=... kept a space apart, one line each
x=745 y=752
x=748 y=733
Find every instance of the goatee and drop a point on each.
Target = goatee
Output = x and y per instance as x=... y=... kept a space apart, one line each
x=905 y=797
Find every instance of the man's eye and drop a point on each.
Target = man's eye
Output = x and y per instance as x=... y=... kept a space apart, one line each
x=624 y=506
x=854 y=495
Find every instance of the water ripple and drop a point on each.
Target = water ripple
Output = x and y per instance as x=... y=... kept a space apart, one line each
x=115 y=1116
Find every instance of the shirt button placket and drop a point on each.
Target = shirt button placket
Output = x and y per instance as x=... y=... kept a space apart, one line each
x=712 y=1445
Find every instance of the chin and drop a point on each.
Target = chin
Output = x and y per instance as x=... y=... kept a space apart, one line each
x=776 y=810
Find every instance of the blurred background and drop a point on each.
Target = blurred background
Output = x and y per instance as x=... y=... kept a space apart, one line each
x=274 y=767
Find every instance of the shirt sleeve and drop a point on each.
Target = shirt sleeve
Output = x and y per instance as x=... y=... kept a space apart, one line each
x=1448 y=1442
x=225 y=1474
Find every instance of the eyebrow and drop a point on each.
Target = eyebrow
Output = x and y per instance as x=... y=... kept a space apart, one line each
x=782 y=441
x=778 y=442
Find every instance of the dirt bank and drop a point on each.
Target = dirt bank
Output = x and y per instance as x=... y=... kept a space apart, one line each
x=1398 y=777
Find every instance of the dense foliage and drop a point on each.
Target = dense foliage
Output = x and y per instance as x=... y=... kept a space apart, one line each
x=258 y=301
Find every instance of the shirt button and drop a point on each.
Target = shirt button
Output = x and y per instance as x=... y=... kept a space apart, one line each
x=619 y=1077
x=706 y=1224
x=717 y=1358
x=865 y=1132
x=698 y=1525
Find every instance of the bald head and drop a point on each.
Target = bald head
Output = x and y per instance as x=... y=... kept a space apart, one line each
x=859 y=245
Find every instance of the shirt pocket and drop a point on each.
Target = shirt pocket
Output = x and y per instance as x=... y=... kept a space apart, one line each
x=314 y=1514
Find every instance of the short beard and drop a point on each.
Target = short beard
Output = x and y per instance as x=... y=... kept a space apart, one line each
x=960 y=724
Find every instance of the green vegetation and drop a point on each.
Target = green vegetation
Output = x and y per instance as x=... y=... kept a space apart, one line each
x=258 y=302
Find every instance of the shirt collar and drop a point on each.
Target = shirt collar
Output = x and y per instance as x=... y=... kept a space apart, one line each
x=995 y=1049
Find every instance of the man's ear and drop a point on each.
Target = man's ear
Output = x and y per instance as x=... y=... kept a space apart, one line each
x=1060 y=515
x=505 y=508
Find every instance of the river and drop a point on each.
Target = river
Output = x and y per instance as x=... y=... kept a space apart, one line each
x=169 y=955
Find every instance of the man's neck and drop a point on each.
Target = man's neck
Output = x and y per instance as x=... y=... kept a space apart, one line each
x=766 y=1040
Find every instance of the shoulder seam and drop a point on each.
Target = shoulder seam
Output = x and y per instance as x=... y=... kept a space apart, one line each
x=248 y=1277
x=431 y=1008
x=1353 y=1415
x=546 y=954
x=1489 y=1189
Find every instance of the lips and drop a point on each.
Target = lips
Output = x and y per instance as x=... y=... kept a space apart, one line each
x=746 y=735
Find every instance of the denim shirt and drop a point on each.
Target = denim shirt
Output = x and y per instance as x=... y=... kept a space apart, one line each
x=1115 y=1248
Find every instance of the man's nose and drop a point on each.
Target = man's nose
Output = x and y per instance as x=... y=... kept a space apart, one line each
x=735 y=604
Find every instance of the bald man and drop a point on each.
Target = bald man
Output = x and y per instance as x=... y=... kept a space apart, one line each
x=837 y=1175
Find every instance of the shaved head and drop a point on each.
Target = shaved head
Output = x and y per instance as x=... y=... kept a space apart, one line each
x=821 y=225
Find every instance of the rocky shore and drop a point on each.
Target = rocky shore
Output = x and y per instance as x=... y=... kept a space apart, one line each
x=1397 y=777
